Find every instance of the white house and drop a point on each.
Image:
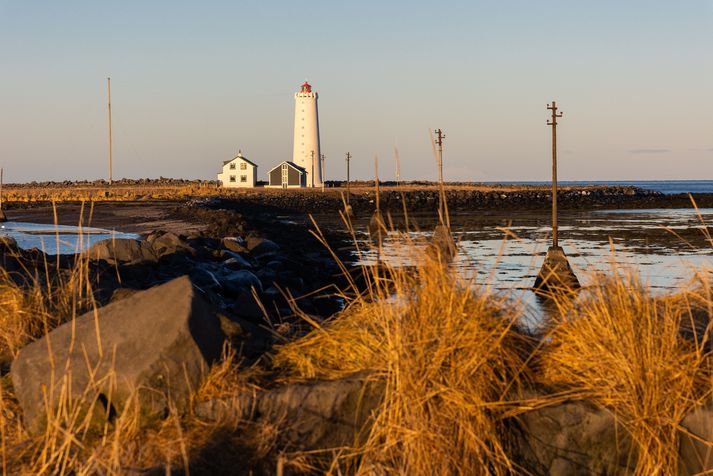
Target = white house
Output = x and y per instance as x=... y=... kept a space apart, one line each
x=238 y=173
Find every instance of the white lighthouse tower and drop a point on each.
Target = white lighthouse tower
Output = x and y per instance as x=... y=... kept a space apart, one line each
x=306 y=151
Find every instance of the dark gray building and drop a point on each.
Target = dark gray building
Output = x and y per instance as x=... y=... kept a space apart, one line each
x=287 y=174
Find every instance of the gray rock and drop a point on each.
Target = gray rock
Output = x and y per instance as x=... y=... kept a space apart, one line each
x=574 y=438
x=169 y=243
x=8 y=242
x=261 y=248
x=311 y=415
x=275 y=265
x=556 y=274
x=247 y=306
x=236 y=261
x=156 y=345
x=239 y=281
x=122 y=293
x=235 y=244
x=121 y=250
x=695 y=444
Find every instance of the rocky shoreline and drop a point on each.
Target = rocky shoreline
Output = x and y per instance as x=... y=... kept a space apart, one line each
x=362 y=198
x=466 y=199
x=250 y=277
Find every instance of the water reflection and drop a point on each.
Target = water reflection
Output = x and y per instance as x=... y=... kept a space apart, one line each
x=664 y=246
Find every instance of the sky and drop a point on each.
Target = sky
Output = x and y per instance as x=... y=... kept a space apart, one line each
x=194 y=82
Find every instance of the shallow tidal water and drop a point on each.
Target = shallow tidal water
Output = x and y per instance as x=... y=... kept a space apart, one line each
x=53 y=239
x=505 y=250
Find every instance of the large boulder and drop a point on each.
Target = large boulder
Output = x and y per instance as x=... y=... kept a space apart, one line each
x=235 y=244
x=121 y=250
x=315 y=415
x=262 y=248
x=155 y=345
x=696 y=447
x=239 y=281
x=573 y=438
x=169 y=243
x=8 y=242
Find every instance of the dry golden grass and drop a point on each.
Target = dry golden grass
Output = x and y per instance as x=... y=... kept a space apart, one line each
x=451 y=357
x=622 y=348
x=37 y=304
x=451 y=354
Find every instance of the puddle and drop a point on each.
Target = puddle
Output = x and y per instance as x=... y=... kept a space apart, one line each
x=53 y=239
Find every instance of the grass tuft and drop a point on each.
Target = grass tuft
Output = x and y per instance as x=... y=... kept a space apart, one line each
x=621 y=347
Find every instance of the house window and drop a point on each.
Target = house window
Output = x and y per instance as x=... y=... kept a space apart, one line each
x=243 y=179
x=232 y=166
x=232 y=178
x=243 y=166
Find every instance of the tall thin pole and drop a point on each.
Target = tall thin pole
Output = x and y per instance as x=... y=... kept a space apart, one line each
x=398 y=166
x=439 y=142
x=349 y=195
x=0 y=188
x=323 y=172
x=312 y=173
x=553 y=122
x=108 y=87
x=376 y=182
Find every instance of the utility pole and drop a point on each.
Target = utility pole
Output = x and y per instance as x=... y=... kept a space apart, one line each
x=323 y=172
x=108 y=87
x=553 y=122
x=349 y=156
x=439 y=142
x=398 y=166
x=312 y=173
x=3 y=218
x=556 y=274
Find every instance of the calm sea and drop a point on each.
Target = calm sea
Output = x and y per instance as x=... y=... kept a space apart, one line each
x=664 y=186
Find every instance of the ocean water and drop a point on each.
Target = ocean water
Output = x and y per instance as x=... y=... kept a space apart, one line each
x=666 y=248
x=668 y=187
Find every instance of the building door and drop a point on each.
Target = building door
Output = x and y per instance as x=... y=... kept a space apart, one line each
x=285 y=176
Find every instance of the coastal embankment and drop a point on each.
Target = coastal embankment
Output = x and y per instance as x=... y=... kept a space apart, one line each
x=414 y=197
x=229 y=336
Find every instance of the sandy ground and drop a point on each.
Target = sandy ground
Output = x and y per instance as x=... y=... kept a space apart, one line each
x=128 y=217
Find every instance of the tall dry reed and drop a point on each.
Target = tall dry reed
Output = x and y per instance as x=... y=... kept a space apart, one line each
x=622 y=347
x=451 y=356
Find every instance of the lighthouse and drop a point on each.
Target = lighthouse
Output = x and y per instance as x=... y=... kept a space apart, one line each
x=306 y=152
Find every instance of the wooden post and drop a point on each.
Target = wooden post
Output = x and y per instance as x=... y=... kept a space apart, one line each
x=398 y=166
x=553 y=122
x=323 y=172
x=376 y=182
x=3 y=217
x=108 y=87
x=556 y=275
x=441 y=196
x=349 y=195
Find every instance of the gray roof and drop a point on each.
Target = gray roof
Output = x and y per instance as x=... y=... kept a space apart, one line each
x=226 y=162
x=291 y=164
